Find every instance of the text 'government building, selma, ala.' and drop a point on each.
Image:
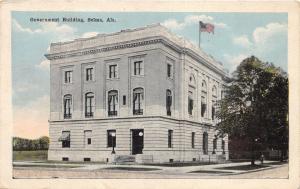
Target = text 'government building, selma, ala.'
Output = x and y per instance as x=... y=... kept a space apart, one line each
x=142 y=93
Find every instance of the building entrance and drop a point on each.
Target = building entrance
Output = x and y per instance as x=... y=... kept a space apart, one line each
x=137 y=141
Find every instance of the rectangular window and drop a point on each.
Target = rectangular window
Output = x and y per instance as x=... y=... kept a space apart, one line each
x=168 y=102
x=193 y=139
x=124 y=99
x=170 y=138
x=89 y=74
x=112 y=71
x=138 y=67
x=68 y=76
x=66 y=144
x=86 y=159
x=65 y=159
x=65 y=139
x=111 y=138
x=88 y=137
x=169 y=70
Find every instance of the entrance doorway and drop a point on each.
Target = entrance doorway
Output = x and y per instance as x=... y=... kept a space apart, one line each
x=137 y=141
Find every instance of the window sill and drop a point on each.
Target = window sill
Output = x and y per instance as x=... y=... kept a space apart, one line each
x=138 y=76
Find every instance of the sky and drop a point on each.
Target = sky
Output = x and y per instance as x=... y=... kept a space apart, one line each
x=236 y=36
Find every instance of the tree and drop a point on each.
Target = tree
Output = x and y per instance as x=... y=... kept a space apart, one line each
x=255 y=105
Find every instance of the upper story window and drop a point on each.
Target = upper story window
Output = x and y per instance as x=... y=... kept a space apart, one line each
x=169 y=70
x=138 y=101
x=89 y=73
x=68 y=76
x=203 y=99
x=214 y=102
x=112 y=103
x=89 y=104
x=138 y=67
x=67 y=106
x=112 y=71
x=190 y=103
x=205 y=143
x=169 y=102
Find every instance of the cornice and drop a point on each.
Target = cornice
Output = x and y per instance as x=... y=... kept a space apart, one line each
x=137 y=43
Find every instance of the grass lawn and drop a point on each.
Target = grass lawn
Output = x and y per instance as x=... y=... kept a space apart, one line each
x=39 y=155
x=180 y=164
x=48 y=166
x=132 y=168
x=244 y=167
x=208 y=171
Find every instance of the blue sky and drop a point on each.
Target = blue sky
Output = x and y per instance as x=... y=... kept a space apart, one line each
x=236 y=36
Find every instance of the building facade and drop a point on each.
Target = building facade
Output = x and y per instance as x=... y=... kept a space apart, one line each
x=143 y=93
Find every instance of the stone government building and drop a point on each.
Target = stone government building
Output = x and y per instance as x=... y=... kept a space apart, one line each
x=144 y=94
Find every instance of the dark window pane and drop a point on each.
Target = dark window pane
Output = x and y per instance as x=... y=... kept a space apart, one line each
x=124 y=100
x=170 y=138
x=111 y=138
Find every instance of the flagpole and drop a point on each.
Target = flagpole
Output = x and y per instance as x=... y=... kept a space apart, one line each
x=199 y=34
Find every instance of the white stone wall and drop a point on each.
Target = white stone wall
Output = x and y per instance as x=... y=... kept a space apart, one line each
x=155 y=139
x=186 y=59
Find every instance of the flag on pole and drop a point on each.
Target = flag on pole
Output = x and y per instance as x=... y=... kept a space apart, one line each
x=206 y=27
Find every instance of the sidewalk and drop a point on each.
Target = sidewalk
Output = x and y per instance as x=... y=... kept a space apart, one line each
x=217 y=169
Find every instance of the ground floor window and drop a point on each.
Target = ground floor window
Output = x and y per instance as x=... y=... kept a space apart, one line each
x=193 y=139
x=215 y=145
x=65 y=139
x=170 y=138
x=205 y=143
x=111 y=138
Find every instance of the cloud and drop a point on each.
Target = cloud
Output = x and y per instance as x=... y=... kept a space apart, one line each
x=263 y=34
x=242 y=41
x=174 y=24
x=44 y=65
x=234 y=60
x=267 y=43
x=89 y=34
x=23 y=87
x=31 y=121
x=20 y=28
x=61 y=32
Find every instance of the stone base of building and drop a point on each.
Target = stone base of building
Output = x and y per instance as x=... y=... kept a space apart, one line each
x=156 y=147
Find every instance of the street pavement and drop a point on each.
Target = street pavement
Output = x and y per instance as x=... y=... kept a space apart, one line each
x=69 y=170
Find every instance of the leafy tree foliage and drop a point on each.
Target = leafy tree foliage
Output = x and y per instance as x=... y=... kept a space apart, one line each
x=41 y=143
x=256 y=105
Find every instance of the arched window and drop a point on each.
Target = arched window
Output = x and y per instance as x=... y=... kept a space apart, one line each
x=67 y=106
x=168 y=102
x=89 y=104
x=112 y=103
x=190 y=102
x=191 y=93
x=205 y=143
x=138 y=101
x=214 y=102
x=203 y=99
